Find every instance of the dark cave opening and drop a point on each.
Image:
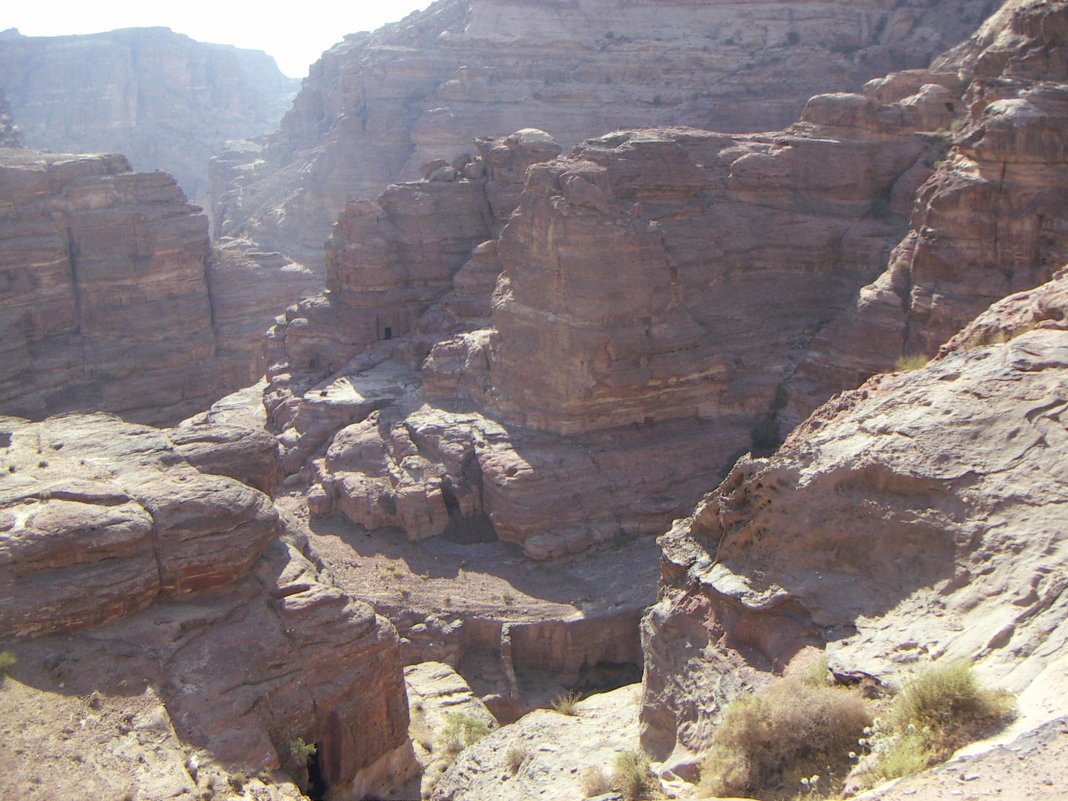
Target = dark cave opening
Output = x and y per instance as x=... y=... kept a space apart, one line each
x=317 y=786
x=605 y=676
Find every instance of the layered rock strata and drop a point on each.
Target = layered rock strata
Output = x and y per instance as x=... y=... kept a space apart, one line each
x=167 y=580
x=164 y=100
x=112 y=298
x=638 y=280
x=989 y=222
x=377 y=106
x=913 y=519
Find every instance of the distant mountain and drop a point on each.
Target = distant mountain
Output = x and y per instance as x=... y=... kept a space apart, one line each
x=160 y=98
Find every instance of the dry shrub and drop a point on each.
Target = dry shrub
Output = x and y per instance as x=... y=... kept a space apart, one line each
x=766 y=745
x=462 y=730
x=594 y=782
x=567 y=704
x=514 y=758
x=631 y=775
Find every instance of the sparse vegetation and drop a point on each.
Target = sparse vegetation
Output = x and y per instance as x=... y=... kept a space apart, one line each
x=7 y=661
x=595 y=782
x=941 y=709
x=462 y=730
x=912 y=361
x=567 y=704
x=514 y=757
x=631 y=775
x=796 y=738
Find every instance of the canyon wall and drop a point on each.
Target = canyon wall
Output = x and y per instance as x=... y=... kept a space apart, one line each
x=914 y=518
x=377 y=106
x=112 y=299
x=181 y=598
x=163 y=100
x=989 y=222
x=655 y=290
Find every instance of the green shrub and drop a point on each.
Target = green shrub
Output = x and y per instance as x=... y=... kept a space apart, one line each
x=631 y=775
x=942 y=708
x=462 y=730
x=7 y=660
x=799 y=735
x=912 y=361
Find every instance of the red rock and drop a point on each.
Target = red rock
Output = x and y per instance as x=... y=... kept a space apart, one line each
x=378 y=106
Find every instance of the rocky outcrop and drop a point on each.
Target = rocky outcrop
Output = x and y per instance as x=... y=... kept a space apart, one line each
x=112 y=299
x=246 y=643
x=915 y=518
x=377 y=106
x=548 y=754
x=160 y=98
x=638 y=277
x=989 y=222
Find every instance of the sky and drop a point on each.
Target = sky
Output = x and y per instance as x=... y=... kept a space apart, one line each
x=295 y=38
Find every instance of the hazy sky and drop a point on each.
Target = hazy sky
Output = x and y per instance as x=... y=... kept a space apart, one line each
x=295 y=37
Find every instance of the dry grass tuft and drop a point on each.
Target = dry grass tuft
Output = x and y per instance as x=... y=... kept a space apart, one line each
x=631 y=775
x=567 y=704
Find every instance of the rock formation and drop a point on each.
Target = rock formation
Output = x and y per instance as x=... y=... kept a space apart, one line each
x=161 y=99
x=548 y=754
x=111 y=298
x=991 y=220
x=638 y=277
x=914 y=518
x=235 y=643
x=377 y=106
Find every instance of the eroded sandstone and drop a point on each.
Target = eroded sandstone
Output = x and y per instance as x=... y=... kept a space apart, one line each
x=378 y=106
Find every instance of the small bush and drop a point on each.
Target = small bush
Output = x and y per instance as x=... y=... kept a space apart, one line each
x=631 y=775
x=594 y=782
x=941 y=709
x=7 y=660
x=462 y=730
x=567 y=704
x=912 y=361
x=514 y=757
x=782 y=742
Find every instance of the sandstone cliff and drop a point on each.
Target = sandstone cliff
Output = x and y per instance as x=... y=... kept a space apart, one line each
x=655 y=288
x=112 y=299
x=991 y=220
x=377 y=106
x=162 y=99
x=158 y=603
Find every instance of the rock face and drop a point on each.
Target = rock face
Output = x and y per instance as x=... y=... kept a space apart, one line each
x=378 y=106
x=111 y=298
x=637 y=279
x=915 y=518
x=990 y=221
x=246 y=643
x=547 y=754
x=163 y=100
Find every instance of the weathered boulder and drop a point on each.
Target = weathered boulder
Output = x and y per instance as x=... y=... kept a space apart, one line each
x=101 y=517
x=378 y=106
x=548 y=754
x=162 y=99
